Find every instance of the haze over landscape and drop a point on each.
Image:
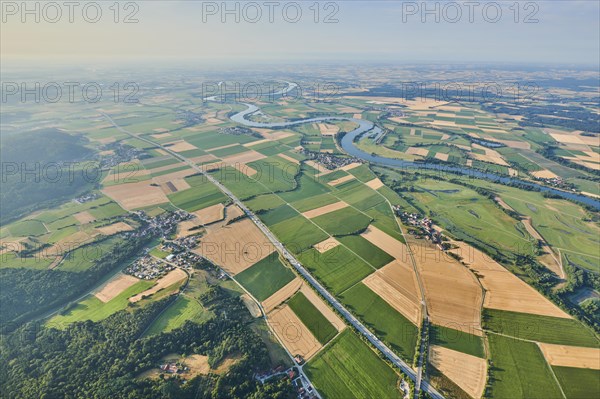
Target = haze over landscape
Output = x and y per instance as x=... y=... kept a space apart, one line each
x=351 y=199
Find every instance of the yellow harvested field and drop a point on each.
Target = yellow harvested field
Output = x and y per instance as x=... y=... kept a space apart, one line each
x=244 y=157
x=466 y=371
x=274 y=134
x=203 y=158
x=175 y=185
x=188 y=228
x=351 y=166
x=180 y=174
x=169 y=279
x=114 y=228
x=160 y=135
x=222 y=147
x=288 y=158
x=504 y=290
x=441 y=156
x=235 y=247
x=180 y=146
x=387 y=243
x=166 y=167
x=341 y=180
x=136 y=195
x=326 y=245
x=357 y=116
x=454 y=296
x=322 y=307
x=115 y=286
x=210 y=214
x=282 y=295
x=544 y=174
x=253 y=143
x=313 y=213
x=294 y=335
x=566 y=138
x=417 y=151
x=251 y=305
x=375 y=183
x=396 y=284
x=84 y=217
x=571 y=356
x=328 y=129
x=522 y=145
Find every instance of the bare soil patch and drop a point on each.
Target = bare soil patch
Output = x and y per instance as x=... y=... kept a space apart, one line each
x=210 y=214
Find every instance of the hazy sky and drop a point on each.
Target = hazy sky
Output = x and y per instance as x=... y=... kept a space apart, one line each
x=380 y=31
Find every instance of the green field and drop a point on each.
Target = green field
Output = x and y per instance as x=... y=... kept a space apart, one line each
x=26 y=228
x=578 y=383
x=338 y=269
x=200 y=195
x=298 y=233
x=457 y=340
x=552 y=330
x=265 y=277
x=184 y=308
x=369 y=252
x=277 y=215
x=520 y=370
x=389 y=325
x=318 y=324
x=264 y=202
x=92 y=308
x=83 y=257
x=314 y=202
x=348 y=368
x=343 y=221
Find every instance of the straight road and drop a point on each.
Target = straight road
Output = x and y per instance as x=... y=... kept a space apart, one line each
x=389 y=354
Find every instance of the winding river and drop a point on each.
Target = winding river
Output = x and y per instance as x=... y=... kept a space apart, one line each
x=364 y=126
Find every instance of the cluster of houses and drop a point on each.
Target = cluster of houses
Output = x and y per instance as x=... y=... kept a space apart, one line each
x=328 y=160
x=184 y=259
x=424 y=228
x=239 y=130
x=118 y=153
x=86 y=198
x=558 y=182
x=148 y=268
x=164 y=224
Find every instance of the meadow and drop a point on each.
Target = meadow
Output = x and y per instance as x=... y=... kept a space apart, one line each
x=184 y=308
x=348 y=368
x=387 y=323
x=92 y=308
x=343 y=221
x=298 y=233
x=312 y=318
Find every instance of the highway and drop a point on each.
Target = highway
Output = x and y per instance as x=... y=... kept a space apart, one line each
x=389 y=354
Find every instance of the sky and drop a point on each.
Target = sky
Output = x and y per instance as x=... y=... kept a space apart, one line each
x=544 y=32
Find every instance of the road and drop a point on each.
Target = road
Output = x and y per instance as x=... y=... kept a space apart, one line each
x=388 y=353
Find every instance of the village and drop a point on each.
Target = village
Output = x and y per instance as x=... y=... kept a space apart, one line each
x=423 y=228
x=328 y=160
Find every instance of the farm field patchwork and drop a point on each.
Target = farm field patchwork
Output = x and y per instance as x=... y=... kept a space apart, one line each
x=312 y=318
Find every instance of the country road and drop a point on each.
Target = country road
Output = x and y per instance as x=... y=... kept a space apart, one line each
x=389 y=354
